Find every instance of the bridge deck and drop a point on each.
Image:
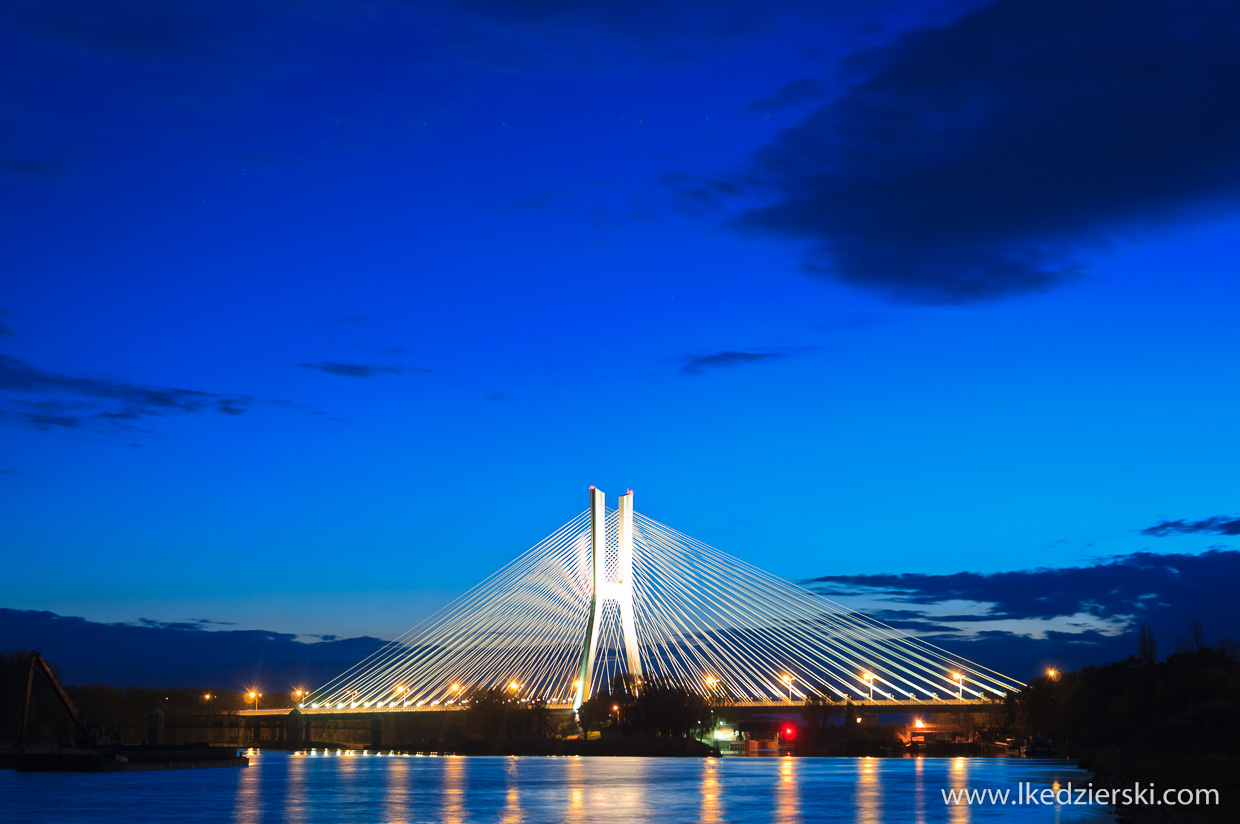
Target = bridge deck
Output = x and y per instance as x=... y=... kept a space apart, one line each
x=928 y=705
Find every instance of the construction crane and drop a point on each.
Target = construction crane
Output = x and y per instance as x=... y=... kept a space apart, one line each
x=37 y=663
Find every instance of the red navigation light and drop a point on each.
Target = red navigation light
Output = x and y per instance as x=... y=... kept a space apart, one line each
x=591 y=486
x=790 y=732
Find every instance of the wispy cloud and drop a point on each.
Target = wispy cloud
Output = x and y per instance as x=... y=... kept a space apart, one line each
x=33 y=168
x=696 y=364
x=51 y=400
x=361 y=370
x=796 y=93
x=191 y=624
x=1218 y=525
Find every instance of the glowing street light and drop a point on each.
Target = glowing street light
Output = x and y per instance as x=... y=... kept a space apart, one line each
x=1050 y=673
x=869 y=677
x=710 y=683
x=787 y=679
x=959 y=684
x=918 y=723
x=254 y=696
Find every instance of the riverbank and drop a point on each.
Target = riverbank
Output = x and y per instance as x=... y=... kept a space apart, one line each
x=1158 y=772
x=1196 y=750
x=627 y=746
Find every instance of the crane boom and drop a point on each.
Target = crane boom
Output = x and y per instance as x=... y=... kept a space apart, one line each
x=37 y=662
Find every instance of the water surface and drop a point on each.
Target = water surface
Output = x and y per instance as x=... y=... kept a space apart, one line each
x=341 y=788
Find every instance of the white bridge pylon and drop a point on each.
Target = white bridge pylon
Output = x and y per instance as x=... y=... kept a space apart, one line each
x=618 y=589
x=613 y=593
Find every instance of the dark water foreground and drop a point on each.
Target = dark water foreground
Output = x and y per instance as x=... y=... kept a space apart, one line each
x=349 y=789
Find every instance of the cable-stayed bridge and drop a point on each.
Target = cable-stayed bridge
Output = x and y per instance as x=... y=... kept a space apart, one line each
x=614 y=593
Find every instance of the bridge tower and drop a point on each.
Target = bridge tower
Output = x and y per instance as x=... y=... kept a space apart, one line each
x=603 y=590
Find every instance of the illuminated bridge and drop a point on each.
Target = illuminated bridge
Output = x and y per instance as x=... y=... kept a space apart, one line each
x=614 y=593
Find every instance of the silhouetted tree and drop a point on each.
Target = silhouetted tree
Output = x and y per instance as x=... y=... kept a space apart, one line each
x=1147 y=645
x=1199 y=636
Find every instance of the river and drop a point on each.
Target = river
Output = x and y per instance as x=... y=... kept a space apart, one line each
x=346 y=788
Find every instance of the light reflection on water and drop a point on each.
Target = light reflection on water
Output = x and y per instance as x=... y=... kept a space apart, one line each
x=869 y=790
x=350 y=788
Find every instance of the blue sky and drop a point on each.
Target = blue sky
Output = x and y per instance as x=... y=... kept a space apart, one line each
x=314 y=315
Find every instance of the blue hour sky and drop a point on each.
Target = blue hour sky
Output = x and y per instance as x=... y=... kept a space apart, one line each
x=314 y=314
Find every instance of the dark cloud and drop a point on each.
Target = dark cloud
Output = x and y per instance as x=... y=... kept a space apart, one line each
x=989 y=156
x=155 y=653
x=135 y=28
x=694 y=364
x=1126 y=585
x=33 y=168
x=50 y=400
x=360 y=370
x=1071 y=616
x=796 y=93
x=1218 y=525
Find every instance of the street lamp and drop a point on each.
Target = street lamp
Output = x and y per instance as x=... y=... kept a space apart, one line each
x=787 y=679
x=456 y=689
x=869 y=677
x=710 y=683
x=254 y=696
x=959 y=684
x=298 y=694
x=616 y=709
x=1050 y=673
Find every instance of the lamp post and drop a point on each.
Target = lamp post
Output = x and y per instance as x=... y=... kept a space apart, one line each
x=456 y=692
x=710 y=684
x=616 y=709
x=869 y=679
x=787 y=679
x=959 y=685
x=254 y=696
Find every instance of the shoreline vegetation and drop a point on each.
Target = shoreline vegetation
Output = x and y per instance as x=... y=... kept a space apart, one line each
x=1173 y=723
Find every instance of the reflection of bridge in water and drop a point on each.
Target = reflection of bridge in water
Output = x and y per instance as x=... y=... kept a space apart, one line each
x=613 y=593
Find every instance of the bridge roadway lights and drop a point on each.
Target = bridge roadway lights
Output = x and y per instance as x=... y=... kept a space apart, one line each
x=603 y=590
